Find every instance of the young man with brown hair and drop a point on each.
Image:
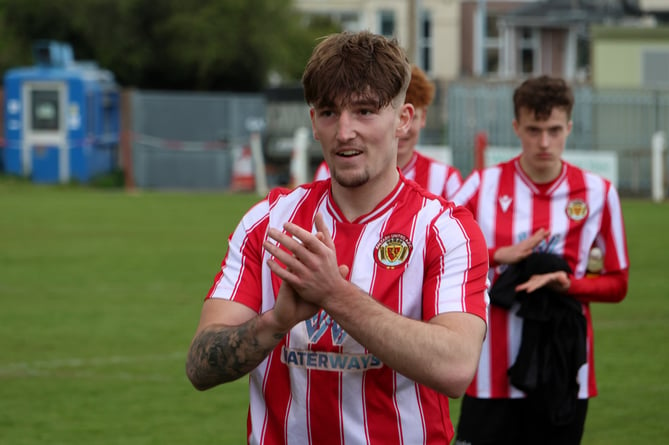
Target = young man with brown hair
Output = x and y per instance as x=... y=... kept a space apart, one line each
x=356 y=305
x=545 y=221
x=435 y=176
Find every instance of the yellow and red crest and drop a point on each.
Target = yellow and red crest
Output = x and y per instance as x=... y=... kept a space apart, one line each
x=577 y=210
x=392 y=250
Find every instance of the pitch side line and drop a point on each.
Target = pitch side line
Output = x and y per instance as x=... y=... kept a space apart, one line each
x=78 y=363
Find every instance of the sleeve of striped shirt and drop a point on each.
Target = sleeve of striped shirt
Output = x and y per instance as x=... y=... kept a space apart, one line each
x=239 y=278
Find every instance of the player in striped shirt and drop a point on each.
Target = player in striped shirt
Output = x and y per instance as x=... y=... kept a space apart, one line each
x=437 y=177
x=358 y=304
x=537 y=202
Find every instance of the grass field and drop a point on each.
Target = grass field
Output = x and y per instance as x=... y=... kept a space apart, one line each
x=100 y=292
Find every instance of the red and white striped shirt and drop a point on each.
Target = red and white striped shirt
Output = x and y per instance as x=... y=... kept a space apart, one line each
x=415 y=253
x=580 y=210
x=439 y=178
x=434 y=176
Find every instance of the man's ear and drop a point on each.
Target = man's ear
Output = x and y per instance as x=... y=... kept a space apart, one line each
x=405 y=118
x=516 y=125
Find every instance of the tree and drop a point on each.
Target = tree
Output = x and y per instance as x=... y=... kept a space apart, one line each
x=213 y=45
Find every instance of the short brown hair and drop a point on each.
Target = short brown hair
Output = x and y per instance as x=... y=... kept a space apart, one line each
x=421 y=90
x=542 y=94
x=347 y=65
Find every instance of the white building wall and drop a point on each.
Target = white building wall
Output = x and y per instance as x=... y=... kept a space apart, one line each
x=447 y=41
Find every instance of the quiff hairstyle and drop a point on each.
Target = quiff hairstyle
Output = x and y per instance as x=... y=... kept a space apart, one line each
x=542 y=94
x=350 y=66
x=421 y=90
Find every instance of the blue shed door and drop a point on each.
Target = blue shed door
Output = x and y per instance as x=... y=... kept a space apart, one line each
x=44 y=149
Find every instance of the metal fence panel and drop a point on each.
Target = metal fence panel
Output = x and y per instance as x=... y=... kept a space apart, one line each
x=622 y=121
x=185 y=140
x=186 y=125
x=157 y=167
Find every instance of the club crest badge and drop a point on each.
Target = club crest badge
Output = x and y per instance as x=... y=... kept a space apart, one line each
x=392 y=250
x=577 y=210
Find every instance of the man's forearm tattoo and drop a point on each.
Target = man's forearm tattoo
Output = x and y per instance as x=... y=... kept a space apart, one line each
x=221 y=354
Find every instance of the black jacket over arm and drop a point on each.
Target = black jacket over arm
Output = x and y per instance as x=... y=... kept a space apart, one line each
x=553 y=344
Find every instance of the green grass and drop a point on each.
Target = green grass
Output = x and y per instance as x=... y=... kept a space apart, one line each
x=100 y=293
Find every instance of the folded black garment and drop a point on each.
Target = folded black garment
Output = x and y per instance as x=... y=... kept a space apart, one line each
x=552 y=347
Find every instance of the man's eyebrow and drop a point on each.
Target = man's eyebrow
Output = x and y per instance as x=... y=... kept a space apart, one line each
x=539 y=127
x=356 y=101
x=365 y=102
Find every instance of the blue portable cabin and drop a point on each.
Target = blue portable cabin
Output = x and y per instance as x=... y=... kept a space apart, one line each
x=62 y=118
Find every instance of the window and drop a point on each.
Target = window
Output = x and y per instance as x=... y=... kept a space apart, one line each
x=425 y=42
x=387 y=23
x=655 y=66
x=492 y=45
x=45 y=112
x=582 y=52
x=528 y=44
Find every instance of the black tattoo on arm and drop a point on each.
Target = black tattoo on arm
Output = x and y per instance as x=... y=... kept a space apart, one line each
x=221 y=354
